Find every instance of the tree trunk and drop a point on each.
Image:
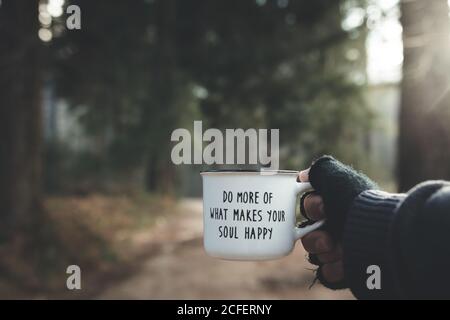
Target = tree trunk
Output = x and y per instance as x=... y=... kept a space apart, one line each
x=20 y=115
x=160 y=169
x=424 y=137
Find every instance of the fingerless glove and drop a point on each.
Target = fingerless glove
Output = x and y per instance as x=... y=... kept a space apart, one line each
x=338 y=185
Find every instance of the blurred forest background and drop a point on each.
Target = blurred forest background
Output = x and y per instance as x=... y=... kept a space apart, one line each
x=86 y=115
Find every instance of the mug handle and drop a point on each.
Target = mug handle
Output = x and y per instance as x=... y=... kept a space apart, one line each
x=303 y=187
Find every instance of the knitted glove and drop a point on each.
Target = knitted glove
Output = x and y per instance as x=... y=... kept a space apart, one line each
x=338 y=185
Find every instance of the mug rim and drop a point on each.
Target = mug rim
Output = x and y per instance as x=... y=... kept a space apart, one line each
x=247 y=171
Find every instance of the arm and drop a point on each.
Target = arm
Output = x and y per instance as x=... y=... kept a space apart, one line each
x=406 y=235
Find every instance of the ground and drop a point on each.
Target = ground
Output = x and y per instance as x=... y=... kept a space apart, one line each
x=176 y=267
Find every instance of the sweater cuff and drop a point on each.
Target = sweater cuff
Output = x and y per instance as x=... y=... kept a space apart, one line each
x=366 y=243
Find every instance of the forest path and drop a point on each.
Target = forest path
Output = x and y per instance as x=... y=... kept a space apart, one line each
x=178 y=268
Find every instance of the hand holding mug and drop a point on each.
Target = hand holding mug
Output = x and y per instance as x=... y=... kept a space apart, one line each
x=336 y=186
x=327 y=251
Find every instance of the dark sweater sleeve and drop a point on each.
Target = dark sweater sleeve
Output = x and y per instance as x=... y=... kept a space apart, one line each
x=407 y=236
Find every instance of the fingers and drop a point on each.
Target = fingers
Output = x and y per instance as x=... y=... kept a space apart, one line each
x=303 y=176
x=332 y=256
x=327 y=252
x=317 y=242
x=313 y=205
x=320 y=242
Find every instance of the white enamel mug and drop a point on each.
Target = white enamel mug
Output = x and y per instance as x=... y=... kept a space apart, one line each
x=250 y=215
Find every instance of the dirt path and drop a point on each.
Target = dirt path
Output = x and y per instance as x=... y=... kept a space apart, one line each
x=179 y=269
